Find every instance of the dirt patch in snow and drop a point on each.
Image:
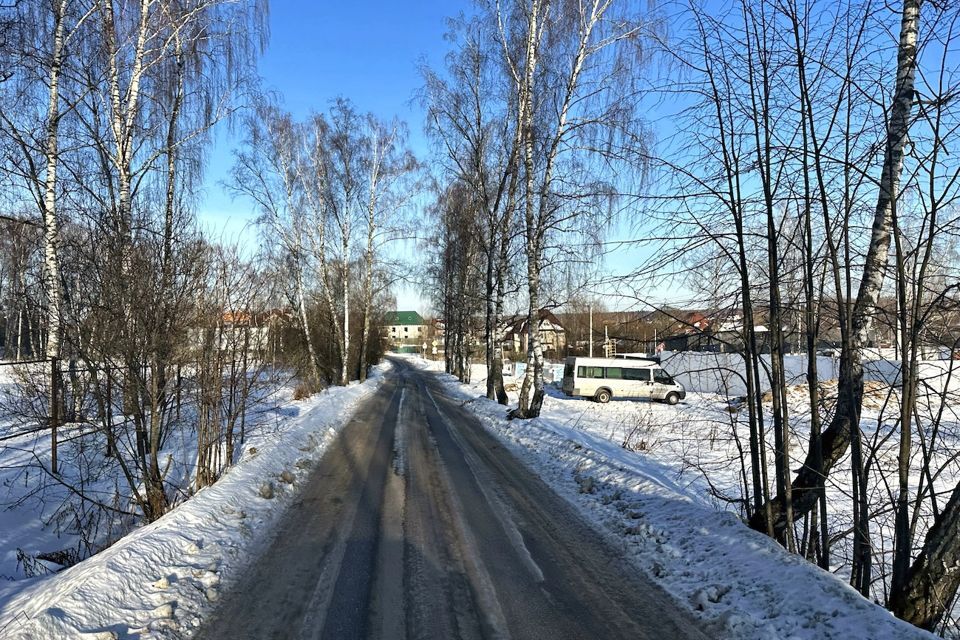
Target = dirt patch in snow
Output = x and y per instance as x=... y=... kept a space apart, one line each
x=875 y=395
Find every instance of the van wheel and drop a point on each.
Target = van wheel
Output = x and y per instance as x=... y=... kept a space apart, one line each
x=603 y=396
x=672 y=398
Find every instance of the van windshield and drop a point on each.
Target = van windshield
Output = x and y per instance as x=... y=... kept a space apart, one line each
x=662 y=377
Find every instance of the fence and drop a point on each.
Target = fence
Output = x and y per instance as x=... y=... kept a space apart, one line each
x=53 y=417
x=935 y=376
x=725 y=373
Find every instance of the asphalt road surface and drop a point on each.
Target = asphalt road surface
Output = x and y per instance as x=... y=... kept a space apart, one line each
x=418 y=524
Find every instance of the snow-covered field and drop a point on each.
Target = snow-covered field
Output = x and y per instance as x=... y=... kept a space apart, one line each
x=656 y=479
x=160 y=579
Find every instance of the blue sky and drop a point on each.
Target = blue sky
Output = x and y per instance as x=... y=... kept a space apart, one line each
x=367 y=51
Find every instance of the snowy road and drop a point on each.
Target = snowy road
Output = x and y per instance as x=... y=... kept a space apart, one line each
x=418 y=524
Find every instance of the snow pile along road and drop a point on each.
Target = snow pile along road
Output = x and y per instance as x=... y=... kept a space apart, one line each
x=160 y=580
x=739 y=582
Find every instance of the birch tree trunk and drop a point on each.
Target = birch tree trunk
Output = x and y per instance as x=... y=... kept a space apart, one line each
x=315 y=191
x=123 y=111
x=531 y=392
x=124 y=105
x=323 y=265
x=51 y=234
x=526 y=117
x=539 y=190
x=500 y=241
x=51 y=260
x=367 y=302
x=304 y=320
x=345 y=265
x=502 y=264
x=377 y=152
x=490 y=328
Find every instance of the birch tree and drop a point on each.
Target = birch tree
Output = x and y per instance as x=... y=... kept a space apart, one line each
x=346 y=191
x=923 y=585
x=41 y=54
x=473 y=117
x=389 y=168
x=456 y=274
x=269 y=170
x=169 y=72
x=573 y=73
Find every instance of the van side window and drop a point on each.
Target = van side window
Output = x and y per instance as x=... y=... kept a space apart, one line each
x=637 y=374
x=661 y=376
x=590 y=372
x=616 y=373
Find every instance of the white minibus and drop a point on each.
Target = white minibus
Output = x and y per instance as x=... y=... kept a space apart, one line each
x=605 y=378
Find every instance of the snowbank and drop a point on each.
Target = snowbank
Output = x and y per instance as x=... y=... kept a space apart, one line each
x=739 y=582
x=158 y=581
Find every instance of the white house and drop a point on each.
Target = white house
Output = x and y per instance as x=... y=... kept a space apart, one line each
x=405 y=327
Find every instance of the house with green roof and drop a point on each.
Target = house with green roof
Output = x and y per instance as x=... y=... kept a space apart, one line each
x=405 y=328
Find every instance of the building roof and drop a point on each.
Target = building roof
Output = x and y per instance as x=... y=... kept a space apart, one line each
x=548 y=322
x=403 y=318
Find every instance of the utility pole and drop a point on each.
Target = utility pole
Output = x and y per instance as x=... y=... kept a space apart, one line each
x=590 y=308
